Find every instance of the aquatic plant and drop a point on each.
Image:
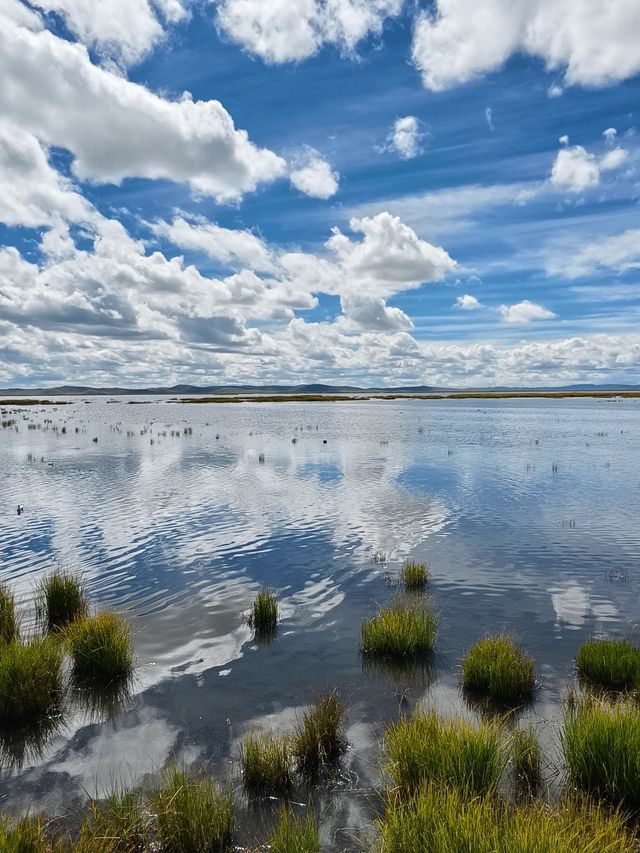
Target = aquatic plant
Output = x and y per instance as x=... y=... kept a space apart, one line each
x=414 y=576
x=442 y=820
x=404 y=628
x=496 y=667
x=426 y=748
x=526 y=759
x=318 y=739
x=61 y=599
x=193 y=815
x=263 y=617
x=295 y=834
x=267 y=763
x=612 y=664
x=30 y=681
x=100 y=647
x=8 y=622
x=117 y=824
x=601 y=745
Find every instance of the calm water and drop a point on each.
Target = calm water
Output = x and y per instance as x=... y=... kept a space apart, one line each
x=525 y=511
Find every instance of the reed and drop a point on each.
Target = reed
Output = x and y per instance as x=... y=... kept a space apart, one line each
x=497 y=668
x=426 y=748
x=612 y=664
x=414 y=576
x=267 y=764
x=30 y=681
x=403 y=629
x=295 y=834
x=100 y=647
x=318 y=740
x=60 y=600
x=263 y=617
x=8 y=622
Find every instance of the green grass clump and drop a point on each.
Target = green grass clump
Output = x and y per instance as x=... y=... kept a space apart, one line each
x=442 y=820
x=8 y=622
x=426 y=748
x=194 y=815
x=612 y=664
x=496 y=667
x=404 y=629
x=295 y=834
x=414 y=576
x=263 y=617
x=526 y=759
x=114 y=825
x=318 y=739
x=61 y=599
x=30 y=681
x=100 y=647
x=26 y=835
x=267 y=764
x=601 y=744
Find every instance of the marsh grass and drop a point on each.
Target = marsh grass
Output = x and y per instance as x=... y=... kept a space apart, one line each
x=60 y=600
x=426 y=748
x=442 y=820
x=267 y=764
x=26 y=835
x=193 y=815
x=295 y=834
x=526 y=759
x=414 y=576
x=601 y=744
x=263 y=616
x=497 y=668
x=407 y=627
x=318 y=740
x=611 y=664
x=8 y=622
x=117 y=824
x=100 y=647
x=31 y=682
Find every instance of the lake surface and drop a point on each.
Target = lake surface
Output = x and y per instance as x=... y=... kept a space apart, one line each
x=526 y=512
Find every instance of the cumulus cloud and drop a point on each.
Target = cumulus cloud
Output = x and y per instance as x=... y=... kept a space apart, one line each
x=467 y=302
x=313 y=176
x=368 y=312
x=613 y=159
x=524 y=312
x=405 y=137
x=285 y=31
x=117 y=129
x=594 y=44
x=575 y=169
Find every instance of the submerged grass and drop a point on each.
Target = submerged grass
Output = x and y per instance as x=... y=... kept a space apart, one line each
x=100 y=647
x=442 y=820
x=612 y=664
x=60 y=600
x=426 y=748
x=601 y=744
x=8 y=622
x=194 y=815
x=526 y=759
x=295 y=834
x=403 y=629
x=318 y=740
x=263 y=617
x=30 y=681
x=497 y=668
x=414 y=576
x=267 y=764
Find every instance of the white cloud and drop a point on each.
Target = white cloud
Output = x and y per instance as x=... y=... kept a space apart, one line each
x=610 y=134
x=620 y=252
x=596 y=44
x=313 y=176
x=117 y=129
x=613 y=159
x=405 y=137
x=124 y=29
x=575 y=169
x=285 y=31
x=467 y=303
x=488 y=115
x=371 y=313
x=564 y=140
x=524 y=312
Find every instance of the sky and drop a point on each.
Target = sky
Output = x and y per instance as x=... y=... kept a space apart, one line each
x=368 y=192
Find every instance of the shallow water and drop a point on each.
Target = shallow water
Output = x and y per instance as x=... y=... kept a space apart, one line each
x=526 y=512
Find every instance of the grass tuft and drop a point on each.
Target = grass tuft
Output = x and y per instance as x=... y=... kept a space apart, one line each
x=30 y=681
x=60 y=600
x=26 y=835
x=100 y=647
x=403 y=629
x=442 y=820
x=295 y=834
x=8 y=622
x=115 y=825
x=318 y=740
x=263 y=617
x=525 y=756
x=267 y=764
x=194 y=815
x=425 y=748
x=414 y=576
x=601 y=744
x=497 y=668
x=612 y=664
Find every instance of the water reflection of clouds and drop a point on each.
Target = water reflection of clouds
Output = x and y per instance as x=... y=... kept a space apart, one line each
x=575 y=605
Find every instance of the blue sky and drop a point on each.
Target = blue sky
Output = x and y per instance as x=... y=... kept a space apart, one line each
x=333 y=190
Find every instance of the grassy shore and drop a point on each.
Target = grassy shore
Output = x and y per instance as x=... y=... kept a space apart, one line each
x=447 y=395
